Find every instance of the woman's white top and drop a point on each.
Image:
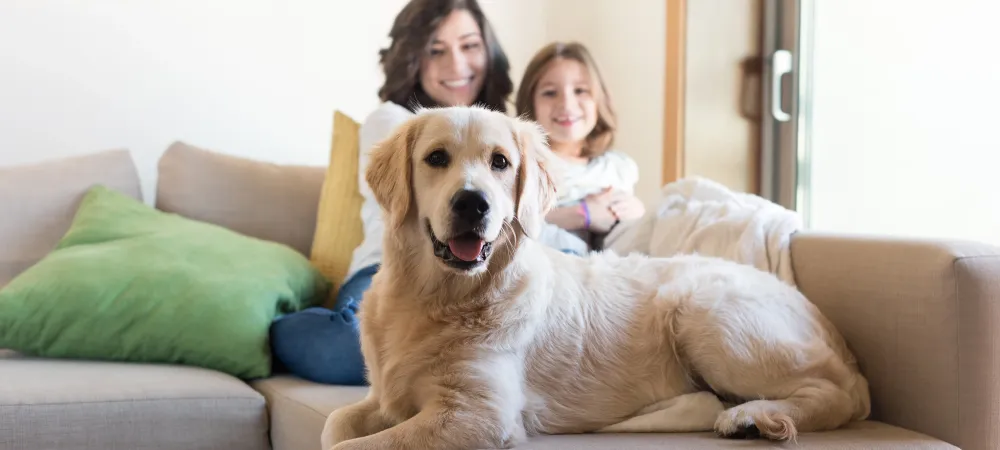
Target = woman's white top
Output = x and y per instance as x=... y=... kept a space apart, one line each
x=377 y=126
x=577 y=181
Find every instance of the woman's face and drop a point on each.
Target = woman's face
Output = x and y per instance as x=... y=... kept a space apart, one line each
x=453 y=70
x=564 y=104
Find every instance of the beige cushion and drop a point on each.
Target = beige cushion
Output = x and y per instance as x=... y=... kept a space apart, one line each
x=38 y=202
x=268 y=201
x=53 y=405
x=299 y=409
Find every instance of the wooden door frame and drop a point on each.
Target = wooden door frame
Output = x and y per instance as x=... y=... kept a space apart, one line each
x=676 y=68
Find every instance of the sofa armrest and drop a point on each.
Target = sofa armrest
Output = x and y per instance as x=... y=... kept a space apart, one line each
x=923 y=318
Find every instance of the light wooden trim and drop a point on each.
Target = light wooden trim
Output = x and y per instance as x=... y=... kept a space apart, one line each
x=676 y=67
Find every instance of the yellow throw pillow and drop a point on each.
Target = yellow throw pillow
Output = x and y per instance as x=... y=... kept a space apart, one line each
x=338 y=223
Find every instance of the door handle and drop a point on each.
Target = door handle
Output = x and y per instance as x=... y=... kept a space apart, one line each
x=781 y=64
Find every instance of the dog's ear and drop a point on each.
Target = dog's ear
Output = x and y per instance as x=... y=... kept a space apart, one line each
x=389 y=174
x=536 y=189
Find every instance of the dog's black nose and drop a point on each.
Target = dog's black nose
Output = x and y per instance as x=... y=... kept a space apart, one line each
x=470 y=206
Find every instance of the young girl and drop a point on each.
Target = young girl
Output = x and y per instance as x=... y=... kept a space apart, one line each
x=563 y=91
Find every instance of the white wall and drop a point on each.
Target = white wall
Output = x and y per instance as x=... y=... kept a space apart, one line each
x=257 y=78
x=904 y=120
x=248 y=78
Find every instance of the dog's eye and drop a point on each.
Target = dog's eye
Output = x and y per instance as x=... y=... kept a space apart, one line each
x=499 y=162
x=438 y=158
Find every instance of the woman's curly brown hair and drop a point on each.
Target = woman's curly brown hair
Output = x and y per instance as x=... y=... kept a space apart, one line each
x=602 y=136
x=411 y=35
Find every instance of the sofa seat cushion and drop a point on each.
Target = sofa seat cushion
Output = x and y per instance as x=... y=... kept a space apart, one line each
x=79 y=405
x=299 y=409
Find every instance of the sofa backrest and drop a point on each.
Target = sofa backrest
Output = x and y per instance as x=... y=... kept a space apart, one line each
x=38 y=202
x=259 y=199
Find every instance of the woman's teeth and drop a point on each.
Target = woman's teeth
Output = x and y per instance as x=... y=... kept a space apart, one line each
x=457 y=83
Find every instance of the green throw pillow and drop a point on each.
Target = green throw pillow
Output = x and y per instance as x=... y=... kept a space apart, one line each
x=131 y=283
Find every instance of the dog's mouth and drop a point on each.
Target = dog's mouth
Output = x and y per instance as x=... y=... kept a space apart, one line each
x=463 y=251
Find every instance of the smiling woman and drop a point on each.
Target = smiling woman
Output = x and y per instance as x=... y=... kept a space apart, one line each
x=442 y=53
x=454 y=68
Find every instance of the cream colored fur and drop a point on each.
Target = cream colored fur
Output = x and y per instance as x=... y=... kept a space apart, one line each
x=537 y=341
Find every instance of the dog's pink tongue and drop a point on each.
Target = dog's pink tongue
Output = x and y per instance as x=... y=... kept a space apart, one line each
x=466 y=249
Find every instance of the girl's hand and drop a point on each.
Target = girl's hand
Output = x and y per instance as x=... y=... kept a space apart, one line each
x=627 y=206
x=599 y=206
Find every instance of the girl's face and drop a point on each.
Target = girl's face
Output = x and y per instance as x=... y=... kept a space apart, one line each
x=564 y=103
x=453 y=70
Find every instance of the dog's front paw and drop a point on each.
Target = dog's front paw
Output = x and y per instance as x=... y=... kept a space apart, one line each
x=350 y=423
x=341 y=426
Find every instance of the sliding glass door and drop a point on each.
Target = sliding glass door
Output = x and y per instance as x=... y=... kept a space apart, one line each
x=780 y=167
x=883 y=117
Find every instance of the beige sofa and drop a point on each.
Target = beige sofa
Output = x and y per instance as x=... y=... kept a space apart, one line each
x=922 y=316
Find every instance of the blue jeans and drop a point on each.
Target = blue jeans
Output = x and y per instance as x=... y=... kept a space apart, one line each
x=323 y=345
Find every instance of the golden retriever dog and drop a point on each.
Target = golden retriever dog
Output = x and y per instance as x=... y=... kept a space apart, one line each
x=475 y=335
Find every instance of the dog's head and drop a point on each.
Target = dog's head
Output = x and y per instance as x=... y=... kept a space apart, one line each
x=464 y=177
